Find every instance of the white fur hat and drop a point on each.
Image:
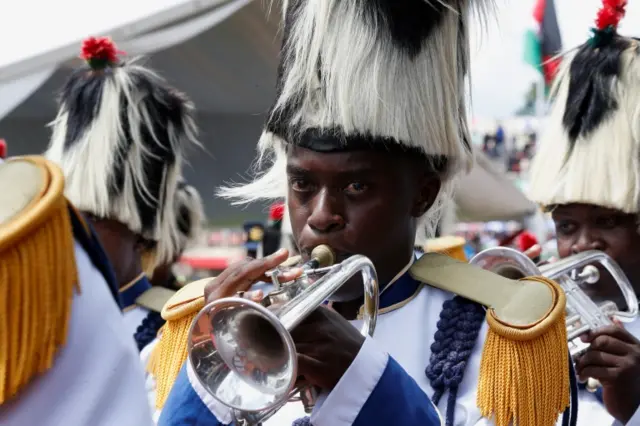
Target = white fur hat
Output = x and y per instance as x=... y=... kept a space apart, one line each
x=590 y=149
x=119 y=137
x=369 y=74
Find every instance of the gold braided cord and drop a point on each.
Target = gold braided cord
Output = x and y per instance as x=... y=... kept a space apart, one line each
x=37 y=279
x=524 y=372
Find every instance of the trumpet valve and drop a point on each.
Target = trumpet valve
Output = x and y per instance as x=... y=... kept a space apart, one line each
x=589 y=275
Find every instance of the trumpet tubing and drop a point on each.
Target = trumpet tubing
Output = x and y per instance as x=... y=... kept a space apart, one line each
x=583 y=314
x=242 y=352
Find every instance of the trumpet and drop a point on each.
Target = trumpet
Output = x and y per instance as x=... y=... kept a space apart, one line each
x=571 y=273
x=242 y=352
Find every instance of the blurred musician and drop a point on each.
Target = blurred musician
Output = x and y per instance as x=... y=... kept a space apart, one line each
x=190 y=219
x=586 y=173
x=366 y=136
x=119 y=137
x=65 y=355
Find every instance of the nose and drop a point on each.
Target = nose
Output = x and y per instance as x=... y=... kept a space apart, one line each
x=326 y=215
x=587 y=241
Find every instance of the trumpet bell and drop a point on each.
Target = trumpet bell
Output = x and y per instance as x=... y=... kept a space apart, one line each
x=242 y=352
x=506 y=262
x=243 y=355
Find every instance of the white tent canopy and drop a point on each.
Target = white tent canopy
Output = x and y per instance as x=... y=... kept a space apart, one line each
x=222 y=53
x=138 y=27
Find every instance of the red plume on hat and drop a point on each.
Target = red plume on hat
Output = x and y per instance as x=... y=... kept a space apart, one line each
x=526 y=240
x=3 y=149
x=610 y=14
x=100 y=52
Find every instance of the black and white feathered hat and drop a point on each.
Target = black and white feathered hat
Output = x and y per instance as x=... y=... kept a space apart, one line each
x=589 y=151
x=119 y=136
x=379 y=74
x=190 y=214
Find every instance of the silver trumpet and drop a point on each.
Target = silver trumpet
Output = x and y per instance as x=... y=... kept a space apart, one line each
x=573 y=272
x=242 y=352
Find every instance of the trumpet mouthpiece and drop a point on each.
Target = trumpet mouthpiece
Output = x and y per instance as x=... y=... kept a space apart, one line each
x=324 y=255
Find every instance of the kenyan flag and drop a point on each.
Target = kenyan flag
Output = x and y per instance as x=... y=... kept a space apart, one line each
x=543 y=41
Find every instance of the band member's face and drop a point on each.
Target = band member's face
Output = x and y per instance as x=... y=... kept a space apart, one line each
x=359 y=202
x=581 y=227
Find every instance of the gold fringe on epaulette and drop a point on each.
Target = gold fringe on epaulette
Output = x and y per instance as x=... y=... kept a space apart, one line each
x=524 y=372
x=170 y=354
x=37 y=279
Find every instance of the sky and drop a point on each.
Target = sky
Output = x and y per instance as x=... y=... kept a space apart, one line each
x=500 y=77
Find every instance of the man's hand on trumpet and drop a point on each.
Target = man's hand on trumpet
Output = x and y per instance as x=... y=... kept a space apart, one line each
x=326 y=343
x=613 y=358
x=240 y=276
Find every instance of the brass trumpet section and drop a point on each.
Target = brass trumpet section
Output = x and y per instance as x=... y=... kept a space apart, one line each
x=242 y=352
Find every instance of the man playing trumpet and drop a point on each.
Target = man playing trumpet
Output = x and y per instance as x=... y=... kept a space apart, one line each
x=587 y=173
x=366 y=138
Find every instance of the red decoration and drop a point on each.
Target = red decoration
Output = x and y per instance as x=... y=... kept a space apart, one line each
x=610 y=14
x=526 y=240
x=550 y=66
x=276 y=212
x=100 y=51
x=3 y=149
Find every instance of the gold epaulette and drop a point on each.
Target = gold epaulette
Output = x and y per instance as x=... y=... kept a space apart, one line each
x=171 y=351
x=450 y=245
x=524 y=371
x=38 y=272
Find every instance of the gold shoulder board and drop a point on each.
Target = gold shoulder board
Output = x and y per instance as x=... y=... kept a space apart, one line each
x=37 y=270
x=525 y=355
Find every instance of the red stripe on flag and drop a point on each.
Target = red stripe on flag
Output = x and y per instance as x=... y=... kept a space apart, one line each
x=550 y=68
x=538 y=11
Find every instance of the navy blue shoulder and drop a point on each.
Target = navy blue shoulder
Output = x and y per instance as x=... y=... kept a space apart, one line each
x=85 y=236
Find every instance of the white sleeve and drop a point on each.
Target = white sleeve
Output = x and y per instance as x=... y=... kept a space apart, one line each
x=375 y=389
x=97 y=378
x=634 y=421
x=342 y=405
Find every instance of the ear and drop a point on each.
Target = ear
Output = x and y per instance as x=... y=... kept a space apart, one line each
x=427 y=192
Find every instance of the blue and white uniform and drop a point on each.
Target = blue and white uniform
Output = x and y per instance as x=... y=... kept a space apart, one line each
x=376 y=389
x=142 y=323
x=97 y=378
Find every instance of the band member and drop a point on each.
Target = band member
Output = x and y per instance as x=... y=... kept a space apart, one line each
x=367 y=135
x=120 y=136
x=190 y=220
x=586 y=174
x=65 y=357
x=149 y=319
x=144 y=314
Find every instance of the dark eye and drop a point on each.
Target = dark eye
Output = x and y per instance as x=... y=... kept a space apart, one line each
x=607 y=222
x=300 y=185
x=356 y=188
x=565 y=227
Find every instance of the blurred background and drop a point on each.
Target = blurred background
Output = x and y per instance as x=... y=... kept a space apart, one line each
x=224 y=55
